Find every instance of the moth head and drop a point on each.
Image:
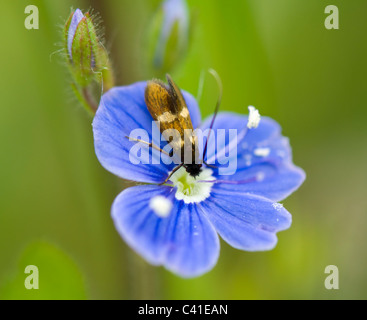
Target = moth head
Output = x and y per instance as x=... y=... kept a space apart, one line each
x=193 y=169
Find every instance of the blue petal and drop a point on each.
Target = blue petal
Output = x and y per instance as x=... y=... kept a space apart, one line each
x=245 y=221
x=271 y=174
x=121 y=110
x=267 y=130
x=267 y=180
x=184 y=242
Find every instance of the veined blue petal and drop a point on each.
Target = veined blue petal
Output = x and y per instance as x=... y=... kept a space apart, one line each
x=267 y=180
x=245 y=221
x=121 y=110
x=184 y=242
x=77 y=17
x=264 y=158
x=267 y=130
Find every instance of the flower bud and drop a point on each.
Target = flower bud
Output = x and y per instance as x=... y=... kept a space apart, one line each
x=169 y=35
x=86 y=56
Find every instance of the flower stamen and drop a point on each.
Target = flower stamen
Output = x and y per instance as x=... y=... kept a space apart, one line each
x=189 y=189
x=253 y=118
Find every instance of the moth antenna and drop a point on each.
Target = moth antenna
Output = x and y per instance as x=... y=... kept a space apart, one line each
x=220 y=88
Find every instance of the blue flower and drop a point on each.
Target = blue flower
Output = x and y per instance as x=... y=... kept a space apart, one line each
x=177 y=225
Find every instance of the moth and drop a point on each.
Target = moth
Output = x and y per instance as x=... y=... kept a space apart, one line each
x=167 y=105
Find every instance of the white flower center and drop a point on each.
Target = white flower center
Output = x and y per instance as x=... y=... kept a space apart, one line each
x=190 y=189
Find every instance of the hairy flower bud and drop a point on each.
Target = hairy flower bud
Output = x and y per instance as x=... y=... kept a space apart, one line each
x=169 y=35
x=86 y=56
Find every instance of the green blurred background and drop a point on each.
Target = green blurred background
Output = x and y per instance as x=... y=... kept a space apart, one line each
x=55 y=197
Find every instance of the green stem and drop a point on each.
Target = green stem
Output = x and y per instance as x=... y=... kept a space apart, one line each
x=108 y=78
x=90 y=100
x=89 y=106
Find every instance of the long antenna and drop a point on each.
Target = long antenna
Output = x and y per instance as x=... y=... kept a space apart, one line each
x=220 y=87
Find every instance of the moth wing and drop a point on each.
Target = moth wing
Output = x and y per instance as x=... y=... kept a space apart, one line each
x=167 y=105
